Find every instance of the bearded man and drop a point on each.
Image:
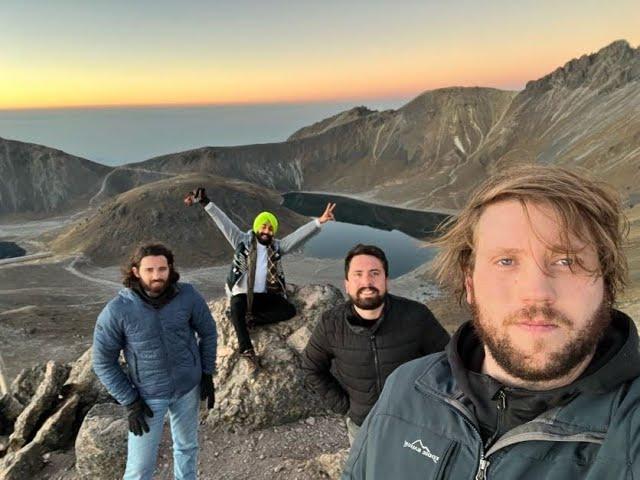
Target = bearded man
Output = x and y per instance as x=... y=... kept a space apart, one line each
x=356 y=345
x=256 y=284
x=543 y=381
x=168 y=337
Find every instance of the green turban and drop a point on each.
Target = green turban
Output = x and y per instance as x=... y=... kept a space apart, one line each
x=265 y=217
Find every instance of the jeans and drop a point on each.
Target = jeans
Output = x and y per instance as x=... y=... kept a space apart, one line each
x=142 y=452
x=267 y=308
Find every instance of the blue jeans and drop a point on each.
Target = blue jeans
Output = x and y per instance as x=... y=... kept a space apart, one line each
x=142 y=452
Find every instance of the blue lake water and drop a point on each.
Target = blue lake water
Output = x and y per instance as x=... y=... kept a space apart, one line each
x=115 y=136
x=404 y=253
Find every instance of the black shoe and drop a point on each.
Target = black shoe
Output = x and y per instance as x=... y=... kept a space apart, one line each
x=253 y=362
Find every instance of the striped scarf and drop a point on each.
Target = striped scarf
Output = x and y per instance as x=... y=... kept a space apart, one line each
x=273 y=284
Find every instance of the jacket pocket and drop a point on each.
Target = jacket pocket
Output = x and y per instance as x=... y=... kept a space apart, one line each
x=406 y=451
x=136 y=371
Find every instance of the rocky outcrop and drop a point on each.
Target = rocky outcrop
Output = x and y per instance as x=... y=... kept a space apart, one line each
x=56 y=398
x=331 y=122
x=101 y=444
x=25 y=384
x=275 y=394
x=40 y=405
x=85 y=383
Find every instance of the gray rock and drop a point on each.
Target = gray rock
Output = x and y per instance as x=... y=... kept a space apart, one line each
x=43 y=401
x=57 y=431
x=298 y=339
x=327 y=465
x=25 y=384
x=10 y=410
x=22 y=464
x=275 y=394
x=101 y=444
x=83 y=380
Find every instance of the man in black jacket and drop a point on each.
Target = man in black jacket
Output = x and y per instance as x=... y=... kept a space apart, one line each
x=356 y=345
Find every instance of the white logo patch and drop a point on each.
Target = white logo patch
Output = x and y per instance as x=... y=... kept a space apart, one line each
x=417 y=446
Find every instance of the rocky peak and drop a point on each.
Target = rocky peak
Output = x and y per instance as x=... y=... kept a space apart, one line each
x=610 y=68
x=328 y=123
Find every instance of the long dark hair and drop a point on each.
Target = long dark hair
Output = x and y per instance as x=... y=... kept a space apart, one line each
x=145 y=250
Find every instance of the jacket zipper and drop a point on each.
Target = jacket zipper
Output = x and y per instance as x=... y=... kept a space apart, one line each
x=376 y=363
x=481 y=474
x=501 y=406
x=166 y=352
x=483 y=463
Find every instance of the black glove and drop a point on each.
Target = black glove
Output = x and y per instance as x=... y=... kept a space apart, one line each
x=201 y=196
x=137 y=411
x=207 y=392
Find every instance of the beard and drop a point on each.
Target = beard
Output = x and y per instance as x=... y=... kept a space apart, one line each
x=155 y=288
x=560 y=362
x=368 y=303
x=264 y=238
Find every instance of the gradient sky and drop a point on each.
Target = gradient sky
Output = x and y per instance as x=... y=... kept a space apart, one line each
x=76 y=53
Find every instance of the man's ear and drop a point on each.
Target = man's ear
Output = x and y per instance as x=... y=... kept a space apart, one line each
x=468 y=288
x=346 y=285
x=135 y=271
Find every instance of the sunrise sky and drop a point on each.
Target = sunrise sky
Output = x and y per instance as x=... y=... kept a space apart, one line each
x=75 y=53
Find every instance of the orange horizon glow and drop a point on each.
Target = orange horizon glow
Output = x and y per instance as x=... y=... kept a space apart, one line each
x=116 y=55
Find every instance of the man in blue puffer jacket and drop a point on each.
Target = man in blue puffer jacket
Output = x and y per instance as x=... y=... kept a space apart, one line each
x=154 y=321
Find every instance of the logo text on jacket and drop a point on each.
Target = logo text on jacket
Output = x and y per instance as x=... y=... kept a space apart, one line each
x=418 y=446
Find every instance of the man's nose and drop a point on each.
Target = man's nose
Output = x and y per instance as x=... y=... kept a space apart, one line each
x=536 y=285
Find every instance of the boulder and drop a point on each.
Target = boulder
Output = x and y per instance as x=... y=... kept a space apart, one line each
x=274 y=394
x=10 y=410
x=55 y=433
x=43 y=401
x=83 y=381
x=101 y=444
x=25 y=384
x=23 y=463
x=58 y=430
x=327 y=465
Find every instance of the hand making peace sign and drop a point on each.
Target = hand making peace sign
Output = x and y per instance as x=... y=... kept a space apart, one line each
x=328 y=213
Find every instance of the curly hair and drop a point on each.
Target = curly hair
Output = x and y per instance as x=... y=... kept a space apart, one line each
x=585 y=207
x=145 y=250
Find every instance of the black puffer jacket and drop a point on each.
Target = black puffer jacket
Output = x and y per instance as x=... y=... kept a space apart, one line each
x=347 y=364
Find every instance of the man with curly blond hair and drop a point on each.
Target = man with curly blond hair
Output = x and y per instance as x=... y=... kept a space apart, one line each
x=542 y=382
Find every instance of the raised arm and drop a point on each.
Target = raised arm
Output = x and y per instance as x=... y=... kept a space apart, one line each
x=229 y=229
x=308 y=230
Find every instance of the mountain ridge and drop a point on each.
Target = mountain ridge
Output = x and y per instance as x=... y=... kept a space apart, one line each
x=430 y=152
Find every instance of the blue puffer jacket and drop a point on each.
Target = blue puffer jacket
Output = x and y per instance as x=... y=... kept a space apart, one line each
x=163 y=356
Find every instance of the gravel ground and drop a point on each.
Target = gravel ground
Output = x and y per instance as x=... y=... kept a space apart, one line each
x=271 y=454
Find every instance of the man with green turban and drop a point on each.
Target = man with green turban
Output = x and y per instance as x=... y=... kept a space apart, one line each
x=256 y=283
